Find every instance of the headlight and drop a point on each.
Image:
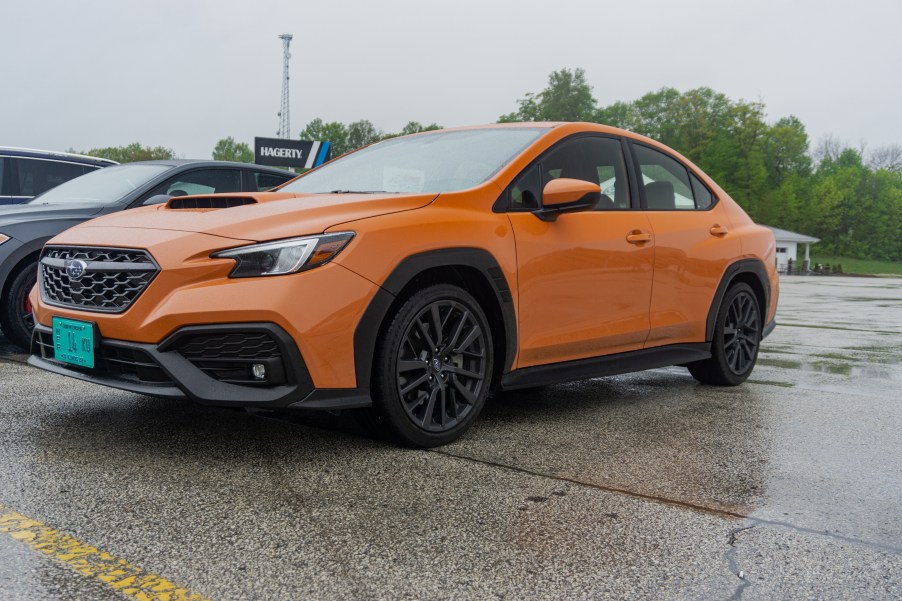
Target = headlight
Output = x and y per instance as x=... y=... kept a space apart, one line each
x=3 y=238
x=285 y=256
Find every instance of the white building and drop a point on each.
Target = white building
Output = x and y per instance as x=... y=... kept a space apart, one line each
x=788 y=245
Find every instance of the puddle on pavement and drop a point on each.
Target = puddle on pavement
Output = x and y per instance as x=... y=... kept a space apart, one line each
x=772 y=383
x=873 y=299
x=867 y=369
x=784 y=363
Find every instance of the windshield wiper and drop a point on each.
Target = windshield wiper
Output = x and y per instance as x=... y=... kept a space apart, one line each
x=357 y=192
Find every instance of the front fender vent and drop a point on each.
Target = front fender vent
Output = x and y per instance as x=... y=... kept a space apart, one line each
x=208 y=202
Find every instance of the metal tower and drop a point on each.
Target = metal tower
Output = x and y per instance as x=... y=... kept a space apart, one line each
x=284 y=117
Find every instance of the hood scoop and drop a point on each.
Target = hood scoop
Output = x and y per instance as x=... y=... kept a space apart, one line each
x=208 y=202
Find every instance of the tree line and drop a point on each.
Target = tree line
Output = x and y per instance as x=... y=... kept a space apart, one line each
x=849 y=197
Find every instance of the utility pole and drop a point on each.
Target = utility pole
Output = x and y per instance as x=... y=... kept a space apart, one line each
x=284 y=117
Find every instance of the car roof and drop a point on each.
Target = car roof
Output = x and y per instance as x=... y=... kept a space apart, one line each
x=212 y=163
x=547 y=126
x=53 y=154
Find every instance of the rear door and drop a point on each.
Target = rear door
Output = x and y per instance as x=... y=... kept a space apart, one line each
x=584 y=289
x=693 y=246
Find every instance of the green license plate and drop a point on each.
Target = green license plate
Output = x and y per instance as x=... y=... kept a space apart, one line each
x=73 y=341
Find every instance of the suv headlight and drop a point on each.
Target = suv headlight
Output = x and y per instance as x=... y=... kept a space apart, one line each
x=285 y=256
x=3 y=238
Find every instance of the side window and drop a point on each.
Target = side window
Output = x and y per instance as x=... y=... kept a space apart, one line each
x=37 y=176
x=265 y=181
x=527 y=190
x=4 y=187
x=202 y=181
x=596 y=160
x=703 y=196
x=665 y=180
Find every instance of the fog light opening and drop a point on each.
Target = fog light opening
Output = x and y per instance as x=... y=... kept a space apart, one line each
x=259 y=371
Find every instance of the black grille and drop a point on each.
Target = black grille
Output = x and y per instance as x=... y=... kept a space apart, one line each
x=229 y=346
x=112 y=278
x=128 y=363
x=228 y=357
x=125 y=363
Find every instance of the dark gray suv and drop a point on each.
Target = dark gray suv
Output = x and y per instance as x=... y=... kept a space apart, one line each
x=26 y=227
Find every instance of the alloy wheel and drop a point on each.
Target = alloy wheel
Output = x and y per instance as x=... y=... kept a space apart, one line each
x=741 y=332
x=441 y=365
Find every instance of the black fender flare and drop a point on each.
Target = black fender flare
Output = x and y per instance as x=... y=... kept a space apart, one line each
x=367 y=331
x=753 y=266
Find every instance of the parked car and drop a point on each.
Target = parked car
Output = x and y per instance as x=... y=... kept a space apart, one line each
x=25 y=173
x=24 y=229
x=410 y=278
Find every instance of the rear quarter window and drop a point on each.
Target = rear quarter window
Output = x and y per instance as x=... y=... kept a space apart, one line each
x=38 y=175
x=266 y=181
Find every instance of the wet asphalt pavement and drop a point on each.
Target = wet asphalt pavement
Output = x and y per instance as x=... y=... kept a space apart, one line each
x=640 y=486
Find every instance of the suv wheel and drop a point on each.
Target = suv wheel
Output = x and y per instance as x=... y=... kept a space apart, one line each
x=16 y=318
x=433 y=367
x=737 y=335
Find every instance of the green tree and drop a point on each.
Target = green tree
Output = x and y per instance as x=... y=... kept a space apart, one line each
x=415 y=127
x=362 y=133
x=132 y=152
x=786 y=151
x=568 y=97
x=334 y=132
x=227 y=149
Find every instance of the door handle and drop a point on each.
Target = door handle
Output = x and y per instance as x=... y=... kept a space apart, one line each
x=638 y=237
x=718 y=230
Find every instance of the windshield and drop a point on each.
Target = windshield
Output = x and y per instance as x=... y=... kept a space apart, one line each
x=435 y=162
x=103 y=186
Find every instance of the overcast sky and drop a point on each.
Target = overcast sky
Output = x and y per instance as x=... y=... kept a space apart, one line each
x=185 y=73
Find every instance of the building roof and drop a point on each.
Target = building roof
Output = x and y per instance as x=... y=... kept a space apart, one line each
x=787 y=236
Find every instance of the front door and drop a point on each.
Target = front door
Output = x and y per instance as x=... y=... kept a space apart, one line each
x=584 y=280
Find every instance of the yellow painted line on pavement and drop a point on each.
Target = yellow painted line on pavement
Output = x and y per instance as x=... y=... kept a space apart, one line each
x=118 y=574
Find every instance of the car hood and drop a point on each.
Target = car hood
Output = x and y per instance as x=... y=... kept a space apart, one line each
x=30 y=213
x=272 y=215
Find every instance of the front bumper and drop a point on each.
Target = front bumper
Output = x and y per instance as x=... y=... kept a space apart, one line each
x=209 y=364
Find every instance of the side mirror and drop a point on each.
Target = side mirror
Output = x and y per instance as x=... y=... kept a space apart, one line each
x=565 y=195
x=156 y=199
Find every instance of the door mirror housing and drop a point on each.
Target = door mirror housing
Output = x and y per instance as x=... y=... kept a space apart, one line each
x=156 y=199
x=565 y=195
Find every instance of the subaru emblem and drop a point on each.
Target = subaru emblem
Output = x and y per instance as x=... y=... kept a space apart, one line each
x=75 y=268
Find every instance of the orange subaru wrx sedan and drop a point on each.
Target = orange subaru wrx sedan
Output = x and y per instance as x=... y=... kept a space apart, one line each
x=410 y=278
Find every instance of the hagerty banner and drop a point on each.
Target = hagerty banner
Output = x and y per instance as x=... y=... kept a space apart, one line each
x=279 y=152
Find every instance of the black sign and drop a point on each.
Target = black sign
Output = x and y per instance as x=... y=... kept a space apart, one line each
x=279 y=152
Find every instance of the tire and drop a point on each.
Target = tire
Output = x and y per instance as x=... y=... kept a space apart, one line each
x=737 y=337
x=16 y=319
x=432 y=368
